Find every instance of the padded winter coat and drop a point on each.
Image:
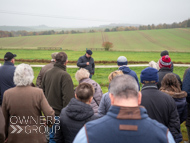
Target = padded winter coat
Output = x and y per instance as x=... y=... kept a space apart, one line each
x=97 y=95
x=72 y=119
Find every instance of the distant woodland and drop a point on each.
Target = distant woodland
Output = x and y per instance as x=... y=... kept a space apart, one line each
x=184 y=24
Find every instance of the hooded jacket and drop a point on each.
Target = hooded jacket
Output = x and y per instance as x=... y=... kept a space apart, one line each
x=180 y=100
x=72 y=119
x=127 y=70
x=97 y=95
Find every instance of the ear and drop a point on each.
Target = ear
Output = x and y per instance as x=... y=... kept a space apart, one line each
x=90 y=100
x=139 y=98
x=66 y=62
x=111 y=98
x=76 y=96
x=13 y=61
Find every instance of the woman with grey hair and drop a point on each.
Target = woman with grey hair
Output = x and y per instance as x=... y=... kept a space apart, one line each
x=23 y=106
x=82 y=75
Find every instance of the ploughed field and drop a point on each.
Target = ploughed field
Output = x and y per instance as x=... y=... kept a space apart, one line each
x=142 y=40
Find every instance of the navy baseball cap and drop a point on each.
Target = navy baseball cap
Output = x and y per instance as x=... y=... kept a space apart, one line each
x=8 y=56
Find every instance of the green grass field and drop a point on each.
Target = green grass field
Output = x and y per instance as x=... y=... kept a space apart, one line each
x=98 y=55
x=143 y=40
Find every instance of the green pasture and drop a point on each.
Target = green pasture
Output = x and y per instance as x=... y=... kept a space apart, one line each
x=142 y=40
x=101 y=74
x=98 y=55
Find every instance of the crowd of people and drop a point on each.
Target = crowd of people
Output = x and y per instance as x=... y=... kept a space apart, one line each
x=54 y=111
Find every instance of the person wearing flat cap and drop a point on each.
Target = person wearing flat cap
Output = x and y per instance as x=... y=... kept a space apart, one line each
x=6 y=74
x=87 y=62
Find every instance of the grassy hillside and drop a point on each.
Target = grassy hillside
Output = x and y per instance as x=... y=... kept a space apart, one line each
x=144 y=40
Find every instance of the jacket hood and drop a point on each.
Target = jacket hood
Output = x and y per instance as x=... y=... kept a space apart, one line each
x=181 y=94
x=78 y=110
x=125 y=69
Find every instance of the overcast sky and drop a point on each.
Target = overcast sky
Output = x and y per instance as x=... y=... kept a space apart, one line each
x=88 y=13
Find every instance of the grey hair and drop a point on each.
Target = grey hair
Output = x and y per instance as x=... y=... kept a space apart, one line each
x=153 y=64
x=124 y=86
x=82 y=74
x=23 y=75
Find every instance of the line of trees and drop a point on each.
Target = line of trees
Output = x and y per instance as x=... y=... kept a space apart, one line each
x=183 y=24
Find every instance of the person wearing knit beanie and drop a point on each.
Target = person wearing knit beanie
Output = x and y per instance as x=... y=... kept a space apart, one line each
x=122 y=60
x=160 y=106
x=165 y=61
x=165 y=65
x=149 y=75
x=164 y=53
x=122 y=63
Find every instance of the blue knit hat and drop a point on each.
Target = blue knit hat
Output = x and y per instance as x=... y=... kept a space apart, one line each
x=149 y=75
x=122 y=60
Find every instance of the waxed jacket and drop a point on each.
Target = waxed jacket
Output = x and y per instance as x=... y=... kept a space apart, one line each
x=58 y=87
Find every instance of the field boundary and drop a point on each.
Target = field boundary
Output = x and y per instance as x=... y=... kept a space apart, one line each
x=115 y=66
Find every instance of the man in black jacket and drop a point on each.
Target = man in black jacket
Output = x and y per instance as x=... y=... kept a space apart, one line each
x=87 y=62
x=165 y=67
x=76 y=114
x=160 y=106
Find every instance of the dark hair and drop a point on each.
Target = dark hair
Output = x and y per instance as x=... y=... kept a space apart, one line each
x=170 y=83
x=61 y=57
x=84 y=91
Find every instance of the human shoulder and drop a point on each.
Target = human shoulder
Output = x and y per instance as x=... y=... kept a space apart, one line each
x=156 y=124
x=98 y=123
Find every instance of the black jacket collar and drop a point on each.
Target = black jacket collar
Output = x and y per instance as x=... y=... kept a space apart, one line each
x=149 y=86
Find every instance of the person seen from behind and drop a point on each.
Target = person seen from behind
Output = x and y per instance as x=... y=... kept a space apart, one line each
x=82 y=76
x=105 y=102
x=126 y=121
x=165 y=67
x=76 y=114
x=171 y=86
x=23 y=106
x=159 y=105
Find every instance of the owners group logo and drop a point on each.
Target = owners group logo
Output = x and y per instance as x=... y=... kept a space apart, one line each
x=29 y=124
